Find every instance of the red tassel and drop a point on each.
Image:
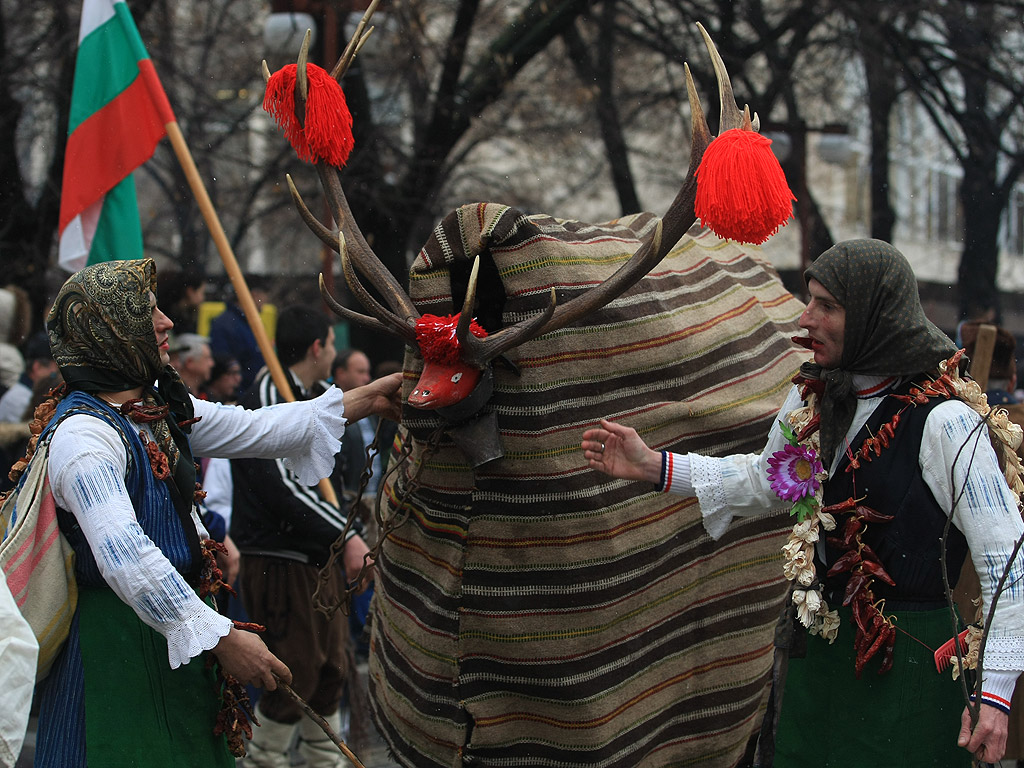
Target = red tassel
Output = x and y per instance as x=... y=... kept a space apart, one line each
x=437 y=339
x=327 y=134
x=742 y=192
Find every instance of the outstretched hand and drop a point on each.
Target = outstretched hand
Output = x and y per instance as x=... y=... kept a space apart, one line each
x=987 y=742
x=620 y=452
x=381 y=396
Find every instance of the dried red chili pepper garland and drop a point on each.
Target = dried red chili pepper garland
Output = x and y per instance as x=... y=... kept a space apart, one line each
x=875 y=633
x=236 y=715
x=157 y=458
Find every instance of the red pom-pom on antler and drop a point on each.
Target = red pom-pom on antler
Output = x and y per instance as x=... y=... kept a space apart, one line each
x=437 y=337
x=327 y=133
x=742 y=192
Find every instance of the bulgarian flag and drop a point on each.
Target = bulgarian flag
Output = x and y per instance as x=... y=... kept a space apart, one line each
x=119 y=113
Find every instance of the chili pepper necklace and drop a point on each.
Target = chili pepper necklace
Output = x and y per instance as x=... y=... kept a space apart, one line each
x=796 y=474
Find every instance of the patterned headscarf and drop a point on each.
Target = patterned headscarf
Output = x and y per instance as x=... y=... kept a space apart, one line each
x=102 y=338
x=886 y=333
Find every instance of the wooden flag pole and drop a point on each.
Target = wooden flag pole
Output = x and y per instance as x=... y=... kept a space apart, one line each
x=245 y=300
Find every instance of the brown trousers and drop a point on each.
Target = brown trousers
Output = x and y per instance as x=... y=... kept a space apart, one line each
x=278 y=594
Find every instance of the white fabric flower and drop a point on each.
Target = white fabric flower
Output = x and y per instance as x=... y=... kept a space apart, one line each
x=793 y=547
x=829 y=624
x=806 y=531
x=807 y=602
x=799 y=562
x=806 y=576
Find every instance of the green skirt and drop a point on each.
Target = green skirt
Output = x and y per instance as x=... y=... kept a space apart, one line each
x=908 y=716
x=139 y=711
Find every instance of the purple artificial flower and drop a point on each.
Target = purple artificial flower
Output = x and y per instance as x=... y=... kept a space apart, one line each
x=793 y=472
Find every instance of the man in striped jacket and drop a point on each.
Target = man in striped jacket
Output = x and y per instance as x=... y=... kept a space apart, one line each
x=284 y=531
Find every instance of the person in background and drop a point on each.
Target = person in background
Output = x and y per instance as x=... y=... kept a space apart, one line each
x=15 y=436
x=231 y=336
x=184 y=292
x=222 y=387
x=39 y=365
x=225 y=380
x=386 y=368
x=15 y=324
x=192 y=361
x=285 y=531
x=352 y=369
x=887 y=503
x=190 y=357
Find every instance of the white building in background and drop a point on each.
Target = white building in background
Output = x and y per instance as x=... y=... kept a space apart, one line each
x=924 y=183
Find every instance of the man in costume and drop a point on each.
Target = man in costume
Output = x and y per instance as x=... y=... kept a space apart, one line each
x=127 y=688
x=285 y=531
x=874 y=410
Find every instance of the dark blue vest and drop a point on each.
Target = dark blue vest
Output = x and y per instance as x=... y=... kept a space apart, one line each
x=151 y=498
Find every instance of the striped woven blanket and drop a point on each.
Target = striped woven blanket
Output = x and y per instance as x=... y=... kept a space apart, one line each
x=533 y=612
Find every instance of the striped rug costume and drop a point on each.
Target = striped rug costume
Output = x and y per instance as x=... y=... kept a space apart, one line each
x=532 y=612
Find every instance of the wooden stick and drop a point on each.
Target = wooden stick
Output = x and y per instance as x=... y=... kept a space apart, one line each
x=981 y=360
x=245 y=300
x=316 y=718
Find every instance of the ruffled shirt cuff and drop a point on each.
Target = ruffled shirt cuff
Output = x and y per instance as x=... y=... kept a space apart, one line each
x=694 y=475
x=1004 y=653
x=316 y=460
x=198 y=631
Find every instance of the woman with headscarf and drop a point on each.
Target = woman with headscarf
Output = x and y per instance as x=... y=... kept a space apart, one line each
x=129 y=686
x=872 y=456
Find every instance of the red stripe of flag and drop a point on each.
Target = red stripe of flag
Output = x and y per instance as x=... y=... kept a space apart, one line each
x=100 y=160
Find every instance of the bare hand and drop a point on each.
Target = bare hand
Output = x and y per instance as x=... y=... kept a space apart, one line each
x=354 y=557
x=229 y=562
x=988 y=741
x=620 y=452
x=381 y=396
x=245 y=656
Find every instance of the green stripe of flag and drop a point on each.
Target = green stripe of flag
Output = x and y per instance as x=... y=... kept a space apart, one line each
x=118 y=232
x=106 y=46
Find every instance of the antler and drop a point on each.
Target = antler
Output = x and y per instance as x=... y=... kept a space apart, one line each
x=400 y=319
x=677 y=220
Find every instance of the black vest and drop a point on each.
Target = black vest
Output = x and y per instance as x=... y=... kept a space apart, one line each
x=909 y=546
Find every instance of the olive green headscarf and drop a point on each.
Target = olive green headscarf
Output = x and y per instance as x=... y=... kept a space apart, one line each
x=886 y=333
x=101 y=335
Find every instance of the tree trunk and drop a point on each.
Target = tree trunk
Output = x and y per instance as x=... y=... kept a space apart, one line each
x=979 y=261
x=600 y=72
x=881 y=99
x=982 y=198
